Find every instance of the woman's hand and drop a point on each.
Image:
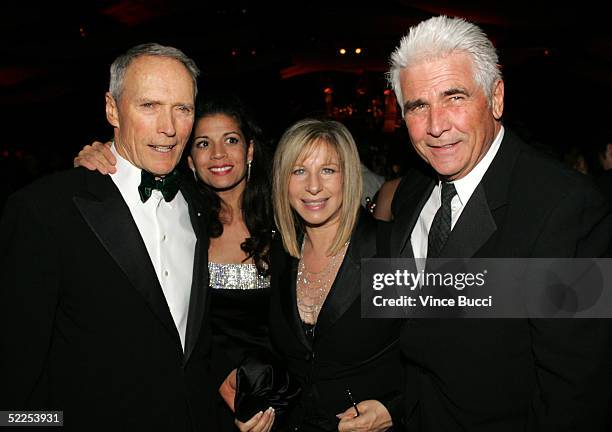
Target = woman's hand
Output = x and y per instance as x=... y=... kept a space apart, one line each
x=227 y=390
x=373 y=417
x=260 y=422
x=97 y=156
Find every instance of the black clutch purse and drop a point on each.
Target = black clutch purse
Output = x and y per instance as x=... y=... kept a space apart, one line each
x=262 y=382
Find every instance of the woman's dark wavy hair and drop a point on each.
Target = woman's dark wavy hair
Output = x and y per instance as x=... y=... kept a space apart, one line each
x=256 y=199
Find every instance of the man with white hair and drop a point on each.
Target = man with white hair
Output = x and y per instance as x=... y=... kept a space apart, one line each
x=490 y=195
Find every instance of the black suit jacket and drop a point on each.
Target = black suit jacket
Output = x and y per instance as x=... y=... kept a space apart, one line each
x=85 y=327
x=511 y=375
x=348 y=352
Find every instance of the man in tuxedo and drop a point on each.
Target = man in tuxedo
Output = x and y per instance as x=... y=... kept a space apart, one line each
x=103 y=278
x=487 y=194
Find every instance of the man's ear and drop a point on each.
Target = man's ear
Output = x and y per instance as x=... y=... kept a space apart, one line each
x=112 y=114
x=497 y=102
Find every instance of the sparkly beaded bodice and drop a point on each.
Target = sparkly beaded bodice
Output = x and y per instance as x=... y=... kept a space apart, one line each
x=240 y=299
x=239 y=303
x=236 y=276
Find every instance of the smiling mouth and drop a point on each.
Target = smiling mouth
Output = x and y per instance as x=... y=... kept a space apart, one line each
x=315 y=205
x=163 y=149
x=221 y=170
x=445 y=146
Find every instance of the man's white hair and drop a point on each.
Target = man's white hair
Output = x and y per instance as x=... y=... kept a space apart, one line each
x=438 y=37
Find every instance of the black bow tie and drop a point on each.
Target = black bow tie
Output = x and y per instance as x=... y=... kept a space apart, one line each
x=168 y=185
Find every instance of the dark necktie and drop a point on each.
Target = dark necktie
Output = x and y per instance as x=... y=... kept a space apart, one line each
x=167 y=185
x=441 y=225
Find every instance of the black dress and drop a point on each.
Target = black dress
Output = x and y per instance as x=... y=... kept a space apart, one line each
x=342 y=351
x=239 y=313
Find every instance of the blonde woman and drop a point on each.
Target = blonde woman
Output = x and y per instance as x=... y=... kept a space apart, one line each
x=315 y=310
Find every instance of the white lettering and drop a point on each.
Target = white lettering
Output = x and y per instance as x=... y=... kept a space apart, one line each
x=475 y=302
x=430 y=301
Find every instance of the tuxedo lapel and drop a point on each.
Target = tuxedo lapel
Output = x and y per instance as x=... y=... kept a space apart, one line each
x=110 y=219
x=477 y=223
x=343 y=292
x=472 y=230
x=288 y=287
x=498 y=178
x=418 y=190
x=347 y=286
x=200 y=278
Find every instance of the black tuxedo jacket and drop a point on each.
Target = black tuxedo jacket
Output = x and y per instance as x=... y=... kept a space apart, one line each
x=348 y=352
x=511 y=375
x=85 y=327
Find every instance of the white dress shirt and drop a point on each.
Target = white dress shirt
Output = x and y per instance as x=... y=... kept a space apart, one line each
x=465 y=188
x=168 y=235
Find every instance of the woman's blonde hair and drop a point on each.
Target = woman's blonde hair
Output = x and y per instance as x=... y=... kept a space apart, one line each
x=298 y=141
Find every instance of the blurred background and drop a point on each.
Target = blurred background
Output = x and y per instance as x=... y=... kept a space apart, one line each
x=289 y=60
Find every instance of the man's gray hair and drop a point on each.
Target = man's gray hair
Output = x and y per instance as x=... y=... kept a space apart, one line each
x=121 y=64
x=438 y=37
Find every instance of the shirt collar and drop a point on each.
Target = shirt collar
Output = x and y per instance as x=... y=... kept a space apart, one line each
x=467 y=185
x=127 y=178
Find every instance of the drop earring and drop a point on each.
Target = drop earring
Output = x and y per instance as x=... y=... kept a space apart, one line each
x=249 y=170
x=195 y=175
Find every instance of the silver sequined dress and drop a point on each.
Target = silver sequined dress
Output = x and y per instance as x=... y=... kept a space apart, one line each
x=239 y=308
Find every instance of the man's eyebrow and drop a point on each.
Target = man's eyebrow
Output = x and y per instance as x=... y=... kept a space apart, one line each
x=185 y=104
x=148 y=100
x=454 y=91
x=159 y=102
x=409 y=105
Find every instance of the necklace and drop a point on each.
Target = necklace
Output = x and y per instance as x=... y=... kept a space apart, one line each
x=312 y=287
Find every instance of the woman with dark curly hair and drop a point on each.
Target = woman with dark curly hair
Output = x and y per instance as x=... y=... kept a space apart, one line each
x=228 y=159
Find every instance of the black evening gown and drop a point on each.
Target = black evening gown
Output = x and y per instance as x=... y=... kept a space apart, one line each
x=239 y=314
